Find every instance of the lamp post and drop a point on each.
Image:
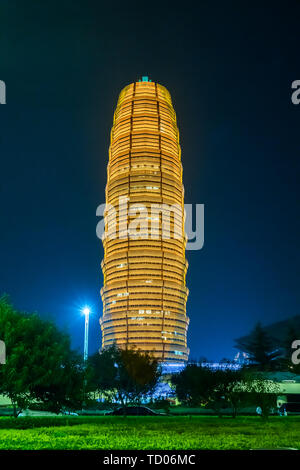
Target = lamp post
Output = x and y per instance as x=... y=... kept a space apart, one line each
x=86 y=312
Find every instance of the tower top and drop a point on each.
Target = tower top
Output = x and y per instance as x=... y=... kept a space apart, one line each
x=145 y=79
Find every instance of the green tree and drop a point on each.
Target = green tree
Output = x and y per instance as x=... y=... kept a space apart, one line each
x=227 y=392
x=194 y=385
x=62 y=389
x=261 y=348
x=260 y=392
x=219 y=389
x=161 y=403
x=40 y=365
x=126 y=375
x=216 y=389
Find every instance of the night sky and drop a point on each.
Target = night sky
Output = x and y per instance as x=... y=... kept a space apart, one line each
x=229 y=68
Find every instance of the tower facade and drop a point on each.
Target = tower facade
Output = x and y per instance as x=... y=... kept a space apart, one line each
x=144 y=293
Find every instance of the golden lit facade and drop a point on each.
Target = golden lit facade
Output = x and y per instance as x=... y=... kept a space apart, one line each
x=144 y=294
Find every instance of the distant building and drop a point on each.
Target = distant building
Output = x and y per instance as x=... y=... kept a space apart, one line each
x=241 y=358
x=288 y=386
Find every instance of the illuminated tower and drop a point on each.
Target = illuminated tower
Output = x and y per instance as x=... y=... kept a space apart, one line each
x=144 y=294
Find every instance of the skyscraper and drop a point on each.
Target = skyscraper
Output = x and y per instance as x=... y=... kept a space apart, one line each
x=144 y=294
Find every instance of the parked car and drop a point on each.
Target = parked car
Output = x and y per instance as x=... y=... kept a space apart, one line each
x=134 y=411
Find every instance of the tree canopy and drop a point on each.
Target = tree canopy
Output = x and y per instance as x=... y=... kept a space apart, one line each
x=40 y=365
x=262 y=349
x=125 y=375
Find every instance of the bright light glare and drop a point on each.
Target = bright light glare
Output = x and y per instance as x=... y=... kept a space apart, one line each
x=86 y=311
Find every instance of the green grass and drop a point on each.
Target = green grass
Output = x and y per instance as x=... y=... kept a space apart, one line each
x=149 y=432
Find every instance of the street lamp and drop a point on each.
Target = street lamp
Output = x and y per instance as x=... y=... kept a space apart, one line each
x=86 y=312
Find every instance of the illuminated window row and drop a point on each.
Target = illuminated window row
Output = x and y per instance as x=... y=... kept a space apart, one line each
x=135 y=292
x=112 y=308
x=165 y=268
x=165 y=159
x=155 y=156
x=151 y=261
x=156 y=125
x=172 y=317
x=117 y=246
x=146 y=178
x=140 y=298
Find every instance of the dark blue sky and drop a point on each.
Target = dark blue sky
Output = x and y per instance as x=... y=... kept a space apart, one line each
x=229 y=69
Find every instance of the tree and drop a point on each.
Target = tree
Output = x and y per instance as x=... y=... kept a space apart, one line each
x=102 y=373
x=260 y=392
x=216 y=389
x=227 y=391
x=194 y=385
x=161 y=404
x=261 y=348
x=126 y=375
x=40 y=365
x=63 y=389
x=219 y=389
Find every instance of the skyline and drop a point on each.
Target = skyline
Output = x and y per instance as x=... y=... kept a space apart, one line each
x=229 y=71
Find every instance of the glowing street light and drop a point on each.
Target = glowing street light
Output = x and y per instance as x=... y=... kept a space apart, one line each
x=86 y=311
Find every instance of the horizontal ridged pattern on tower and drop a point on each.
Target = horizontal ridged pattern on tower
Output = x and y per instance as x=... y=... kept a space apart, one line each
x=144 y=294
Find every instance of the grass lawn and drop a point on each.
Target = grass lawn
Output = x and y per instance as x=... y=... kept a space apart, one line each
x=149 y=432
